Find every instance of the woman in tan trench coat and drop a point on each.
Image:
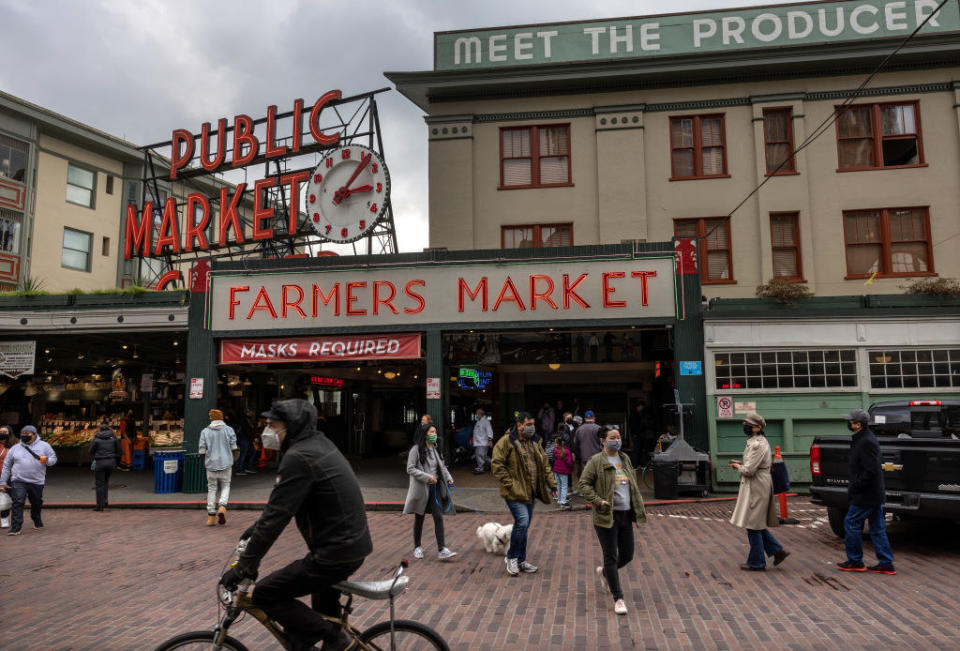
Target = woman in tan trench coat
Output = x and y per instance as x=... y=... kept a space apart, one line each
x=755 y=510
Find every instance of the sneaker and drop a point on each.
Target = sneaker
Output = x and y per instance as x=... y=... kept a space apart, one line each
x=620 y=607
x=601 y=581
x=851 y=566
x=882 y=568
x=780 y=557
x=513 y=568
x=418 y=552
x=445 y=554
x=13 y=532
x=751 y=568
x=4 y=523
x=38 y=525
x=529 y=568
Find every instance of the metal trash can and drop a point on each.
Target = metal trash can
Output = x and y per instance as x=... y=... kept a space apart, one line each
x=665 y=474
x=167 y=471
x=194 y=473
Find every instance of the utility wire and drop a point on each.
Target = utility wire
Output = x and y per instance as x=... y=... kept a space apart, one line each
x=830 y=119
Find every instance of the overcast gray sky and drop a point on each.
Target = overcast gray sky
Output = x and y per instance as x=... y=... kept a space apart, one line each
x=139 y=68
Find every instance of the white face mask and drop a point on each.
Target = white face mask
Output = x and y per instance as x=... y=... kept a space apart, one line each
x=270 y=438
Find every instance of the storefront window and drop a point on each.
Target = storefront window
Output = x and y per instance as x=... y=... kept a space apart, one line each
x=789 y=369
x=13 y=159
x=907 y=369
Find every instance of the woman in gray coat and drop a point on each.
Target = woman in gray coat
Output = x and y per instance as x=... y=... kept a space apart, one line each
x=425 y=466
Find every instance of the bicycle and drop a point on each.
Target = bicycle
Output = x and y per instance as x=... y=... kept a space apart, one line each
x=392 y=634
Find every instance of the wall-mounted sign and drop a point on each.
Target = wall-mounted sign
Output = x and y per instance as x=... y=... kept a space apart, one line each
x=473 y=378
x=17 y=358
x=433 y=388
x=690 y=33
x=691 y=368
x=146 y=382
x=724 y=407
x=449 y=293
x=318 y=349
x=321 y=381
x=196 y=388
x=744 y=407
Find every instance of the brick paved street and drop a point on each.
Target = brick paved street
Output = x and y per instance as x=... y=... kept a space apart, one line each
x=127 y=579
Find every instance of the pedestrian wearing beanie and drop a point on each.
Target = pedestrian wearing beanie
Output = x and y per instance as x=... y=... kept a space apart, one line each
x=755 y=510
x=218 y=447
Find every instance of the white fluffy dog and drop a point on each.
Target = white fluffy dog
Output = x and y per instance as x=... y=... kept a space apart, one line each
x=495 y=537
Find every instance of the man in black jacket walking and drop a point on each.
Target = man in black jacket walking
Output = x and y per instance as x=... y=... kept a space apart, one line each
x=867 y=495
x=316 y=485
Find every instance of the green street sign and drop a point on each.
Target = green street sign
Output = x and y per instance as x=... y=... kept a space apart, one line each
x=676 y=34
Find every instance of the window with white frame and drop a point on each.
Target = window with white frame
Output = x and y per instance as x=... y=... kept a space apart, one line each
x=914 y=368
x=80 y=185
x=76 y=250
x=786 y=369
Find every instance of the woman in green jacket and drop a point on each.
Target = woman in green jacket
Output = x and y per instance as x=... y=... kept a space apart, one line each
x=609 y=483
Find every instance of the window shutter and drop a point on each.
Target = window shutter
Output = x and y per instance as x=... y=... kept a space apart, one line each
x=784 y=263
x=554 y=170
x=516 y=171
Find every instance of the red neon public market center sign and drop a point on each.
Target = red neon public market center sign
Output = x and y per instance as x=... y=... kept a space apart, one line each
x=244 y=148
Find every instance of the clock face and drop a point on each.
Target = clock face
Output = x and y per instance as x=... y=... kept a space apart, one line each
x=348 y=193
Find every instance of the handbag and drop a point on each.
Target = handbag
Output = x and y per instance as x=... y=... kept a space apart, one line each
x=780 y=477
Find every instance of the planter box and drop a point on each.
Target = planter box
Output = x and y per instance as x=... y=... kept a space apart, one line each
x=174 y=298
x=33 y=302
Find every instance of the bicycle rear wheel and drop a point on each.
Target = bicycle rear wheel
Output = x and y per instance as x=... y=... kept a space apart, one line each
x=408 y=635
x=197 y=640
x=646 y=476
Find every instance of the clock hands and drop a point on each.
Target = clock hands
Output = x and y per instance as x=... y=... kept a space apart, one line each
x=345 y=191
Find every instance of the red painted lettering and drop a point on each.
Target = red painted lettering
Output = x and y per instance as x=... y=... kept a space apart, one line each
x=262 y=302
x=297 y=127
x=169 y=234
x=205 y=162
x=334 y=296
x=234 y=301
x=195 y=232
x=465 y=288
x=243 y=135
x=514 y=295
x=229 y=217
x=294 y=180
x=569 y=291
x=180 y=157
x=541 y=296
x=386 y=302
x=138 y=231
x=408 y=290
x=609 y=290
x=643 y=275
x=287 y=303
x=318 y=135
x=272 y=150
x=260 y=212
x=351 y=299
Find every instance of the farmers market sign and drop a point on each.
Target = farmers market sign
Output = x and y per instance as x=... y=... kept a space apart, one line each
x=17 y=358
x=674 y=34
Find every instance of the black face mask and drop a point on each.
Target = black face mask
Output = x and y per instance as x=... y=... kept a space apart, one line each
x=748 y=429
x=26 y=439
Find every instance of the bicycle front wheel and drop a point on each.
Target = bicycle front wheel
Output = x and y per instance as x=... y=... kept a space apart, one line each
x=197 y=640
x=407 y=635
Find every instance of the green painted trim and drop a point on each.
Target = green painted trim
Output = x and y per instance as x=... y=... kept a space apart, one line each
x=619 y=108
x=534 y=115
x=699 y=104
x=442 y=119
x=881 y=91
x=778 y=97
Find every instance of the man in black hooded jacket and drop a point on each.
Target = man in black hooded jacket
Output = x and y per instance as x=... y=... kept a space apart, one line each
x=316 y=485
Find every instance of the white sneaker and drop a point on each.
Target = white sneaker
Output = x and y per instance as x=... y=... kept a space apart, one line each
x=601 y=581
x=619 y=607
x=445 y=554
x=4 y=523
x=418 y=552
x=513 y=569
x=529 y=568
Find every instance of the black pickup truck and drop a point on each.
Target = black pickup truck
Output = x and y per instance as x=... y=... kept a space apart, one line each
x=920 y=450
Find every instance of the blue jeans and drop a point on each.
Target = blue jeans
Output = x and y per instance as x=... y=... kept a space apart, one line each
x=522 y=514
x=762 y=543
x=245 y=459
x=563 y=482
x=20 y=493
x=853 y=526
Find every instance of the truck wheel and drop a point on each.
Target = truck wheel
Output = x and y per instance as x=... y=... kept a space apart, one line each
x=836 y=516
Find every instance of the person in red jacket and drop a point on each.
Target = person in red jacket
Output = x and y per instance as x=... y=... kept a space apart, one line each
x=562 y=470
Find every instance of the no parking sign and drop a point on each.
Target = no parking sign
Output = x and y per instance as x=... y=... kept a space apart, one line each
x=724 y=407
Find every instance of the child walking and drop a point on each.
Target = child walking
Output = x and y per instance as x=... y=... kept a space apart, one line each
x=562 y=469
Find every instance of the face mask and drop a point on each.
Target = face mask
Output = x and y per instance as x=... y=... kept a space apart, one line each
x=431 y=438
x=614 y=446
x=26 y=438
x=270 y=438
x=529 y=431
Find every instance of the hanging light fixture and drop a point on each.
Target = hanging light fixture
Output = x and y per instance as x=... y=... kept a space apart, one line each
x=553 y=366
x=136 y=355
x=389 y=375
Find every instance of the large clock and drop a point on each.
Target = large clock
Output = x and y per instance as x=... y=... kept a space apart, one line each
x=348 y=193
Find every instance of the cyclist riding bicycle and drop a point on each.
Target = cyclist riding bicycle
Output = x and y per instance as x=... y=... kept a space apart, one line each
x=316 y=485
